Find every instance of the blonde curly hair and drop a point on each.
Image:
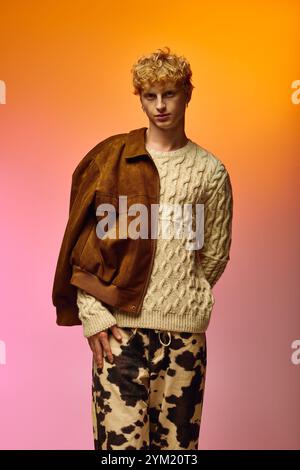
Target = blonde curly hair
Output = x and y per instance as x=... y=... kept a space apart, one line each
x=162 y=66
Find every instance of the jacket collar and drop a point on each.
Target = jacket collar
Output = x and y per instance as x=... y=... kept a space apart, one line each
x=135 y=143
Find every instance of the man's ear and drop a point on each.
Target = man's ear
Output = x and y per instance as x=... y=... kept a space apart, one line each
x=142 y=106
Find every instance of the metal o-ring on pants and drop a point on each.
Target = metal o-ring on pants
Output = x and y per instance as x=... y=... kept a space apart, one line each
x=162 y=333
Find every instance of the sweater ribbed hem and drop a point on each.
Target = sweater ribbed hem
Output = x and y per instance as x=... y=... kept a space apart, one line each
x=167 y=322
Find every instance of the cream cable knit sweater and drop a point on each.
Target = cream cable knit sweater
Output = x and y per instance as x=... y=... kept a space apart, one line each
x=179 y=295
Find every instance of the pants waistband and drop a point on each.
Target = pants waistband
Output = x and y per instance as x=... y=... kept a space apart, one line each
x=161 y=334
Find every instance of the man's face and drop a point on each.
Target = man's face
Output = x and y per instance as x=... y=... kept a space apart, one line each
x=164 y=99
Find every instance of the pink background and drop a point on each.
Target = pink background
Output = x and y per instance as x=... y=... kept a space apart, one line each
x=68 y=86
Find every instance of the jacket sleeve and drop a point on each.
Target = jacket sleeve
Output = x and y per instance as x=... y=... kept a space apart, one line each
x=95 y=317
x=64 y=295
x=218 y=216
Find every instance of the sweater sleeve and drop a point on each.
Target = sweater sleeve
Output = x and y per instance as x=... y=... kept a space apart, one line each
x=218 y=215
x=95 y=317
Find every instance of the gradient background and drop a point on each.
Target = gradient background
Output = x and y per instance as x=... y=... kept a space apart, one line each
x=66 y=66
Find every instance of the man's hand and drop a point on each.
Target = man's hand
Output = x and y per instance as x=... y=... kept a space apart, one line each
x=99 y=342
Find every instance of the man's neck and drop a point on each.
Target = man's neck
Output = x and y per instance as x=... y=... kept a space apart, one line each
x=164 y=140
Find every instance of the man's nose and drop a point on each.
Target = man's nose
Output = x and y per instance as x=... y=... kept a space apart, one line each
x=160 y=104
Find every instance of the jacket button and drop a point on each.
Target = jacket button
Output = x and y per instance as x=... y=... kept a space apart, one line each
x=133 y=307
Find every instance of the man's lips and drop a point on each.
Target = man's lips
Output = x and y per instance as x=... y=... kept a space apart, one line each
x=162 y=115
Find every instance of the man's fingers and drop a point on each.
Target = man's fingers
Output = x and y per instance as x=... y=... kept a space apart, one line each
x=106 y=346
x=97 y=351
x=96 y=348
x=99 y=343
x=116 y=332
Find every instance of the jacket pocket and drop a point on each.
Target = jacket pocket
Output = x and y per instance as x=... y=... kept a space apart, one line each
x=106 y=256
x=123 y=259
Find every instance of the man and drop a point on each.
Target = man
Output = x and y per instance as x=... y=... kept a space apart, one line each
x=145 y=301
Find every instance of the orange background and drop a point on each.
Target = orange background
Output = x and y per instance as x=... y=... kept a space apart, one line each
x=66 y=66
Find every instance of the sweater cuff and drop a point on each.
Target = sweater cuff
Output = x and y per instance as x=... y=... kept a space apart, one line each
x=95 y=317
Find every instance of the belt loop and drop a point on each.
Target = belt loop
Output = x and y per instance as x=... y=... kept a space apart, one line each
x=134 y=332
